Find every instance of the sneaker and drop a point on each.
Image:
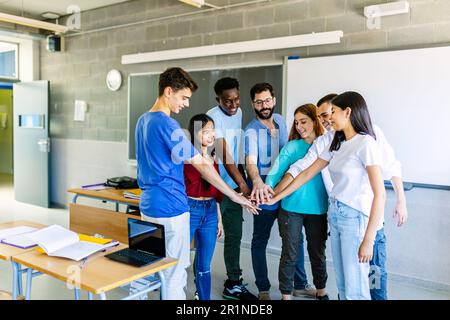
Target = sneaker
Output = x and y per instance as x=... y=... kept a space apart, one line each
x=308 y=292
x=196 y=296
x=264 y=295
x=325 y=297
x=236 y=290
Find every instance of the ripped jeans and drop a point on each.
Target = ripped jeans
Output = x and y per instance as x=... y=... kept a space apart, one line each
x=203 y=226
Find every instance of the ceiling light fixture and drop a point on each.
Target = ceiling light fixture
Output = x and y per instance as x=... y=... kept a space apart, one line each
x=33 y=23
x=50 y=15
x=199 y=3
x=303 y=40
x=386 y=9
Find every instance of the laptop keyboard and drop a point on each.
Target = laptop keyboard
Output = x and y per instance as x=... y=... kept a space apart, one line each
x=136 y=255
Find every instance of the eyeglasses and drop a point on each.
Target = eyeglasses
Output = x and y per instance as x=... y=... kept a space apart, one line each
x=260 y=103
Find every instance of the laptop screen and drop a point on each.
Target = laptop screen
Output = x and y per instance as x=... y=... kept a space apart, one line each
x=146 y=236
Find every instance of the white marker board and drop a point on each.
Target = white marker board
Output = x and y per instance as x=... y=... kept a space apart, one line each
x=408 y=95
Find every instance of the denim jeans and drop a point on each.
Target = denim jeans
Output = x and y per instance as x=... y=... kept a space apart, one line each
x=262 y=226
x=378 y=274
x=347 y=230
x=203 y=226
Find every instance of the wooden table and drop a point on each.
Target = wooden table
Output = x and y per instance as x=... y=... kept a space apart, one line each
x=7 y=252
x=98 y=276
x=111 y=195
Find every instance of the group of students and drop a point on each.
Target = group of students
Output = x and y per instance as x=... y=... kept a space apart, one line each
x=328 y=170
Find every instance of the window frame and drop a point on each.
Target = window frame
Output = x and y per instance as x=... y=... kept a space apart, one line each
x=17 y=48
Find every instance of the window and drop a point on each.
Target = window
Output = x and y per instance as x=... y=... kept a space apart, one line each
x=8 y=60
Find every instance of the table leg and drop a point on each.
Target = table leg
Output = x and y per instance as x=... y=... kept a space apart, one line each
x=103 y=296
x=162 y=290
x=90 y=296
x=77 y=293
x=19 y=280
x=29 y=282
x=15 y=280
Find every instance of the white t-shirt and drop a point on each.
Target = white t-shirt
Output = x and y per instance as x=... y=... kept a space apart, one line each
x=349 y=173
x=390 y=166
x=230 y=129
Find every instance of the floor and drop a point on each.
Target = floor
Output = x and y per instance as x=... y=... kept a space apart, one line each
x=45 y=287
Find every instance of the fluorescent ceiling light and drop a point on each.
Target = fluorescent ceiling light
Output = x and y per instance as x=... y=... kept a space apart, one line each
x=33 y=23
x=50 y=15
x=304 y=40
x=386 y=9
x=195 y=3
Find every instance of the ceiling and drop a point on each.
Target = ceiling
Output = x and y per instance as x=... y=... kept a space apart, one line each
x=35 y=8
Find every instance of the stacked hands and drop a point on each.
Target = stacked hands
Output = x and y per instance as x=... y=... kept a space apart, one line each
x=261 y=194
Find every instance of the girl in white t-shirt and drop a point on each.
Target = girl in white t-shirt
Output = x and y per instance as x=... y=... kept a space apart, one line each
x=356 y=202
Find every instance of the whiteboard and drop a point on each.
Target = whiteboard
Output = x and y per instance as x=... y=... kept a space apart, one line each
x=408 y=95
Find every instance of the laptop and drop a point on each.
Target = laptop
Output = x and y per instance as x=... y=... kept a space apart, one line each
x=146 y=241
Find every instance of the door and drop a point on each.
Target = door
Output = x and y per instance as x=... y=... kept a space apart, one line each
x=31 y=142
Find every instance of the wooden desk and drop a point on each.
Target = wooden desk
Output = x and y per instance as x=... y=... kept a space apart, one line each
x=111 y=195
x=7 y=252
x=98 y=276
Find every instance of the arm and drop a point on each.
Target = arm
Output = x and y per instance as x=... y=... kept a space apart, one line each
x=210 y=174
x=301 y=179
x=219 y=223
x=376 y=213
x=400 y=211
x=392 y=170
x=230 y=165
x=260 y=191
x=319 y=145
x=287 y=179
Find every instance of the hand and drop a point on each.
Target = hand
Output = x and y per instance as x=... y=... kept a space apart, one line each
x=245 y=203
x=219 y=230
x=365 y=251
x=400 y=212
x=245 y=189
x=271 y=201
x=261 y=192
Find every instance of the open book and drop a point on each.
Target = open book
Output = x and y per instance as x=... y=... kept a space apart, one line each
x=17 y=237
x=61 y=242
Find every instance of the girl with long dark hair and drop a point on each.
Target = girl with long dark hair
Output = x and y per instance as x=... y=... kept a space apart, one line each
x=356 y=202
x=203 y=200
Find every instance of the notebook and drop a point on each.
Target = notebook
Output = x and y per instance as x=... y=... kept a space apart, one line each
x=60 y=242
x=17 y=237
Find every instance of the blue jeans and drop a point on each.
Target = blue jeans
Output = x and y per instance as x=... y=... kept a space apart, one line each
x=347 y=229
x=203 y=226
x=378 y=274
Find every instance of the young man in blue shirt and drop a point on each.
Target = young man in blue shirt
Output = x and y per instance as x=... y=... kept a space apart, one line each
x=161 y=149
x=227 y=116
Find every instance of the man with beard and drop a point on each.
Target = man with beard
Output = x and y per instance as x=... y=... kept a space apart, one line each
x=264 y=137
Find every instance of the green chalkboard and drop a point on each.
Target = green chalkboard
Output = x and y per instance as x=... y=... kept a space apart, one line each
x=143 y=90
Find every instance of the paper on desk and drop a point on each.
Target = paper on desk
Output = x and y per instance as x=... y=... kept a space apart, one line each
x=5 y=233
x=20 y=241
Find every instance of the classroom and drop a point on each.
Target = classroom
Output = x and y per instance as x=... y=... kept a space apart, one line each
x=232 y=150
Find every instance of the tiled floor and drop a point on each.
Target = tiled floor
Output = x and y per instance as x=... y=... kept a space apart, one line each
x=45 y=287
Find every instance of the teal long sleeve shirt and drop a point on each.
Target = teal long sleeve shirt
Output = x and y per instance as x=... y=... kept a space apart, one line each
x=311 y=198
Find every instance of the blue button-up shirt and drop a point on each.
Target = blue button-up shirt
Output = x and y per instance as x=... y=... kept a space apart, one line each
x=264 y=146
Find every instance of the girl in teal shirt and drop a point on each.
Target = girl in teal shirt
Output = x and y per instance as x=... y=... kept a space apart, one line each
x=305 y=207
